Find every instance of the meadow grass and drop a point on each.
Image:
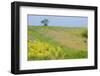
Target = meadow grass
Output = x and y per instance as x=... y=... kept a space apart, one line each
x=52 y=42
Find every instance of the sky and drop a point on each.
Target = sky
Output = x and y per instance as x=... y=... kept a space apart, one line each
x=67 y=21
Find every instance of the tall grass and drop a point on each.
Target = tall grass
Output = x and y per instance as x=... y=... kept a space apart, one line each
x=39 y=50
x=41 y=47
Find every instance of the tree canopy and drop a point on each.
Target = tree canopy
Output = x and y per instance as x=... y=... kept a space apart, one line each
x=45 y=22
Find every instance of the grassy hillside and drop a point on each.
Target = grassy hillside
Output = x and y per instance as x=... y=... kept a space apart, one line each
x=52 y=42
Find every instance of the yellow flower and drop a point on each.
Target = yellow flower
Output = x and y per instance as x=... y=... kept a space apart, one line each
x=39 y=49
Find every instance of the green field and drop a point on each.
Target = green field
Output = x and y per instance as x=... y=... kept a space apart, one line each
x=56 y=42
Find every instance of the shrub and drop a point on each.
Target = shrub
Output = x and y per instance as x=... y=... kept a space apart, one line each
x=84 y=33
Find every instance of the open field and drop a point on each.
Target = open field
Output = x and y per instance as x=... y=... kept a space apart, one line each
x=56 y=42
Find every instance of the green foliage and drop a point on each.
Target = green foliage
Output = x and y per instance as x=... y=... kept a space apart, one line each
x=45 y=22
x=43 y=50
x=42 y=46
x=84 y=33
x=38 y=50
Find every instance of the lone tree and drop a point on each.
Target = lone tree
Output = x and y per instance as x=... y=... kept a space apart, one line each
x=45 y=22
